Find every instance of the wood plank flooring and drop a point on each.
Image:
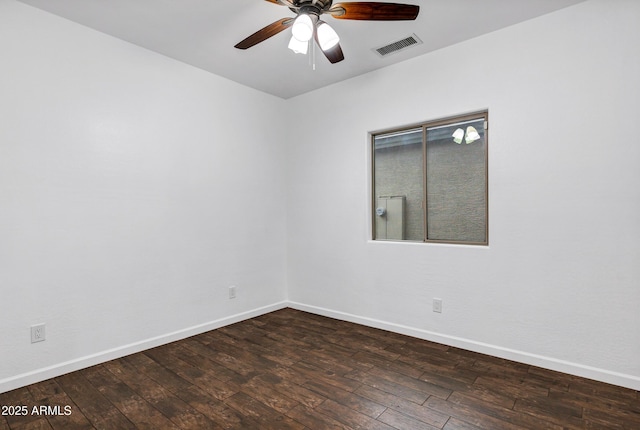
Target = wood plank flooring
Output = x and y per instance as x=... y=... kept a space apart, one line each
x=294 y=370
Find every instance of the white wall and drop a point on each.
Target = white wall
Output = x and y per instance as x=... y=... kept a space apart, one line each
x=558 y=286
x=133 y=191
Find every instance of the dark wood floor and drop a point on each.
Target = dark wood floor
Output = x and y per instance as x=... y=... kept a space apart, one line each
x=294 y=370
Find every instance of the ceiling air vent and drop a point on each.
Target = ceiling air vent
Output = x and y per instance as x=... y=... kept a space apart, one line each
x=399 y=45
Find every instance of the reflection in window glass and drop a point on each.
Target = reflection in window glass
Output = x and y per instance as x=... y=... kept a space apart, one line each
x=399 y=186
x=430 y=182
x=456 y=191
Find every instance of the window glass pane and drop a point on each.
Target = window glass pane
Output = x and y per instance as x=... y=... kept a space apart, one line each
x=398 y=187
x=456 y=182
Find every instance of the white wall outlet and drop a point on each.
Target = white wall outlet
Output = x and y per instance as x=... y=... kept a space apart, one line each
x=232 y=292
x=37 y=333
x=437 y=305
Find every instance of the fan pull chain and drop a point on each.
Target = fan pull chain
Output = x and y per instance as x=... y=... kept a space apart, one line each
x=313 y=53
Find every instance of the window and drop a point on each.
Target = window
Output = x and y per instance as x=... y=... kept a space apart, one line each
x=430 y=182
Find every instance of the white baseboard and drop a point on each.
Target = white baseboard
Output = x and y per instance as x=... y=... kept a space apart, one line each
x=111 y=354
x=603 y=375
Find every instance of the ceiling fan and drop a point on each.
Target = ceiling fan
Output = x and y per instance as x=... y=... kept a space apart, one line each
x=307 y=24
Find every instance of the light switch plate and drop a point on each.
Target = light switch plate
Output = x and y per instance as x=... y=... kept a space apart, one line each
x=437 y=305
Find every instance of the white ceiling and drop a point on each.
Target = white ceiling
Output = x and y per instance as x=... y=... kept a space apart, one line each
x=203 y=33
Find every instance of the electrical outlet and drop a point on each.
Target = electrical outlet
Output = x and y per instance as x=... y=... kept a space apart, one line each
x=437 y=305
x=37 y=333
x=232 y=292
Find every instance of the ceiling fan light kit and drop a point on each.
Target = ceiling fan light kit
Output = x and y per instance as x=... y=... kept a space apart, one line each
x=308 y=25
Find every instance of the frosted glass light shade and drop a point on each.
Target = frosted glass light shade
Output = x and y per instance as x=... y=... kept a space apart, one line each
x=302 y=28
x=472 y=135
x=327 y=37
x=458 y=135
x=298 y=46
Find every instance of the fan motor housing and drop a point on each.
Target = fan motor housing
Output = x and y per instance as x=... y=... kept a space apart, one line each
x=316 y=7
x=321 y=4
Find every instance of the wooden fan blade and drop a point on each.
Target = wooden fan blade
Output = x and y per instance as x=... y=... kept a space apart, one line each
x=374 y=11
x=265 y=33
